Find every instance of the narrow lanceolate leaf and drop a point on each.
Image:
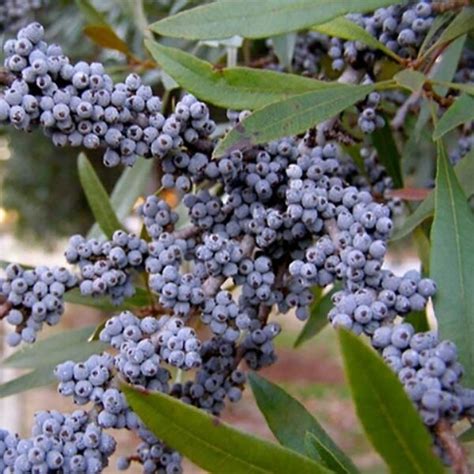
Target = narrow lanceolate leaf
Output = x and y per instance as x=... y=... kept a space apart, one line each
x=37 y=378
x=97 y=197
x=464 y=171
x=237 y=88
x=410 y=79
x=105 y=36
x=463 y=23
x=387 y=152
x=318 y=318
x=291 y=116
x=389 y=418
x=460 y=112
x=344 y=28
x=314 y=446
x=452 y=261
x=70 y=345
x=211 y=444
x=257 y=19
x=91 y=14
x=439 y=22
x=126 y=191
x=290 y=421
x=469 y=87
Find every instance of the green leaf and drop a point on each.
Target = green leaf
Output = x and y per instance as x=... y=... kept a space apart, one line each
x=70 y=345
x=313 y=445
x=210 y=443
x=318 y=318
x=344 y=28
x=126 y=191
x=291 y=116
x=290 y=421
x=464 y=172
x=105 y=36
x=97 y=197
x=237 y=88
x=90 y=13
x=439 y=22
x=387 y=152
x=257 y=19
x=467 y=436
x=284 y=47
x=463 y=23
x=37 y=378
x=410 y=79
x=469 y=88
x=461 y=111
x=452 y=262
x=389 y=418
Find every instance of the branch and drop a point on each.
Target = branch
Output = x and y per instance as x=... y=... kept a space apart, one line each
x=399 y=120
x=450 y=443
x=186 y=232
x=6 y=78
x=5 y=309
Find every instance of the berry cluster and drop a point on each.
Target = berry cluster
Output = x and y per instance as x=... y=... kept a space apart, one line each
x=79 y=105
x=59 y=443
x=34 y=297
x=16 y=13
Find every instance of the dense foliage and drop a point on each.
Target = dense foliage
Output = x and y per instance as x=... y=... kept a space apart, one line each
x=288 y=203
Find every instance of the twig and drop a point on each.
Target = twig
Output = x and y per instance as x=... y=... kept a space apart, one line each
x=450 y=443
x=186 y=232
x=5 y=309
x=399 y=120
x=6 y=78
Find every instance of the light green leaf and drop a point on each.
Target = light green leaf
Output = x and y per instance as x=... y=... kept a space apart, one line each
x=210 y=443
x=70 y=345
x=257 y=19
x=291 y=116
x=344 y=28
x=238 y=88
x=284 y=47
x=410 y=79
x=469 y=87
x=453 y=248
x=461 y=111
x=318 y=318
x=440 y=21
x=290 y=421
x=387 y=152
x=314 y=446
x=467 y=436
x=389 y=418
x=97 y=197
x=464 y=172
x=37 y=378
x=126 y=191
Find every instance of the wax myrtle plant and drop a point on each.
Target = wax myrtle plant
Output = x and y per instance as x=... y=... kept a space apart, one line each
x=305 y=141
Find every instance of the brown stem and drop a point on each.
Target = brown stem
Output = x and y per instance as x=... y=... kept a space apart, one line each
x=6 y=78
x=186 y=232
x=441 y=7
x=451 y=444
x=5 y=309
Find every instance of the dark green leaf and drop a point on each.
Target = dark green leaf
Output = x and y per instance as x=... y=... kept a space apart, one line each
x=105 y=36
x=460 y=112
x=344 y=28
x=387 y=152
x=126 y=191
x=318 y=318
x=410 y=79
x=237 y=88
x=212 y=444
x=389 y=418
x=465 y=173
x=252 y=19
x=313 y=445
x=97 y=197
x=70 y=345
x=290 y=421
x=467 y=436
x=37 y=378
x=452 y=262
x=90 y=13
x=418 y=320
x=291 y=116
